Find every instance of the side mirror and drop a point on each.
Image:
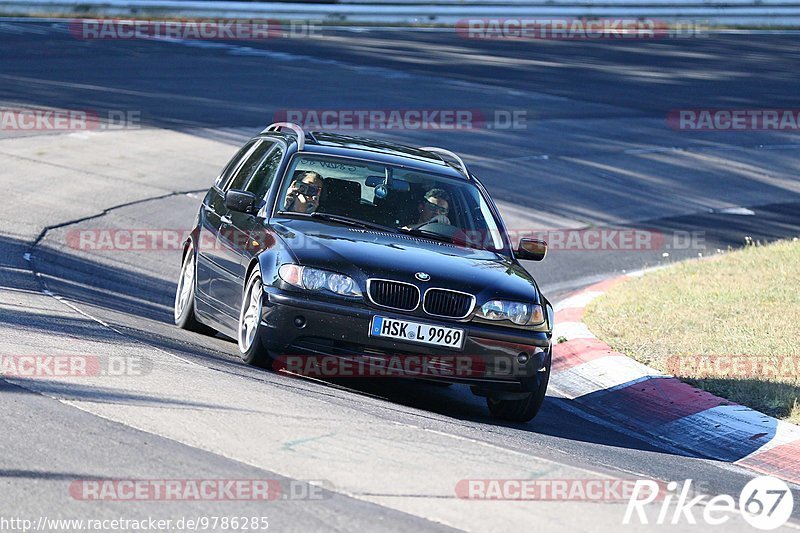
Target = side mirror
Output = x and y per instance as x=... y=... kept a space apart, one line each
x=532 y=249
x=241 y=201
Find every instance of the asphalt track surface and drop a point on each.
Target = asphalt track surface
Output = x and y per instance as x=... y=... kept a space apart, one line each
x=596 y=151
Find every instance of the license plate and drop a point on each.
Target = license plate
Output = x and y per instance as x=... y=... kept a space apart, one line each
x=408 y=331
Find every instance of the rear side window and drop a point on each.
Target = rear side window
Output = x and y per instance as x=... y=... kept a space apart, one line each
x=264 y=176
x=242 y=176
x=233 y=164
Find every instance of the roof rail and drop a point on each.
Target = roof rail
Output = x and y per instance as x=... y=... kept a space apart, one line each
x=441 y=151
x=301 y=135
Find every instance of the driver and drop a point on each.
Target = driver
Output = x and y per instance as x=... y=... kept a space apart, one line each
x=433 y=208
x=304 y=192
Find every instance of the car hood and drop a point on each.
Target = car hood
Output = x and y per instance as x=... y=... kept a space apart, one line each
x=363 y=254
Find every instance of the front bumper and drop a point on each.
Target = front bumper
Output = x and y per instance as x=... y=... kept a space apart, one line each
x=298 y=326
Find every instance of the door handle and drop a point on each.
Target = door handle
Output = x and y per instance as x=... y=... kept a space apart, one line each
x=226 y=219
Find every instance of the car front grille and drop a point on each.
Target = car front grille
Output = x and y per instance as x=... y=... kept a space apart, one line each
x=450 y=304
x=393 y=294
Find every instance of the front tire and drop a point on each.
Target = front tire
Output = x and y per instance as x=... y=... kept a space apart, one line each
x=250 y=330
x=183 y=309
x=522 y=410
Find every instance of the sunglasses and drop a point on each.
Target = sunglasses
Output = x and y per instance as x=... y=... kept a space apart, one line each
x=439 y=209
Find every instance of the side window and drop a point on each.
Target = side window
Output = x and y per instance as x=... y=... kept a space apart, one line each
x=242 y=176
x=263 y=177
x=234 y=163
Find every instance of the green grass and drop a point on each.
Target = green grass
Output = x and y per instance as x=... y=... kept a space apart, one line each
x=743 y=303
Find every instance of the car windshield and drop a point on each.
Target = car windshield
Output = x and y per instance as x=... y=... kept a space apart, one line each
x=369 y=194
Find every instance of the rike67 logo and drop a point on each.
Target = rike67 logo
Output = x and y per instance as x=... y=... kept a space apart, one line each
x=765 y=503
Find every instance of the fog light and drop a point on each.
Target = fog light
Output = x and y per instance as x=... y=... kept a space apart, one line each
x=300 y=321
x=522 y=358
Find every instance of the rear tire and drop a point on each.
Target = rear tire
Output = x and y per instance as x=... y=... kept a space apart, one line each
x=523 y=410
x=250 y=330
x=183 y=309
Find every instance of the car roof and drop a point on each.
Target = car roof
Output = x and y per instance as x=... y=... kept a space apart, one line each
x=381 y=151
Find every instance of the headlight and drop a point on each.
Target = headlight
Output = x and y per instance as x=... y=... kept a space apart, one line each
x=522 y=314
x=315 y=279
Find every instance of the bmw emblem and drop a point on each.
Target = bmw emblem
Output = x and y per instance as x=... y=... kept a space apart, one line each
x=422 y=276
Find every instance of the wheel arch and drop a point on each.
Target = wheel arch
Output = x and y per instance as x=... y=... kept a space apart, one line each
x=268 y=261
x=191 y=240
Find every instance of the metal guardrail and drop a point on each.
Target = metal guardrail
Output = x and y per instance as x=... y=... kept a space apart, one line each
x=734 y=12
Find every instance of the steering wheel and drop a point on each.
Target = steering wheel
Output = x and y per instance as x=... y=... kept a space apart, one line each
x=454 y=234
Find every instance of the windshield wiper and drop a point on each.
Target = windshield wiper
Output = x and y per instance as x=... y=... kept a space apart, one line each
x=351 y=221
x=428 y=235
x=338 y=218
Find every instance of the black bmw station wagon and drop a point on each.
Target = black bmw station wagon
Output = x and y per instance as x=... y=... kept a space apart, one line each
x=315 y=247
